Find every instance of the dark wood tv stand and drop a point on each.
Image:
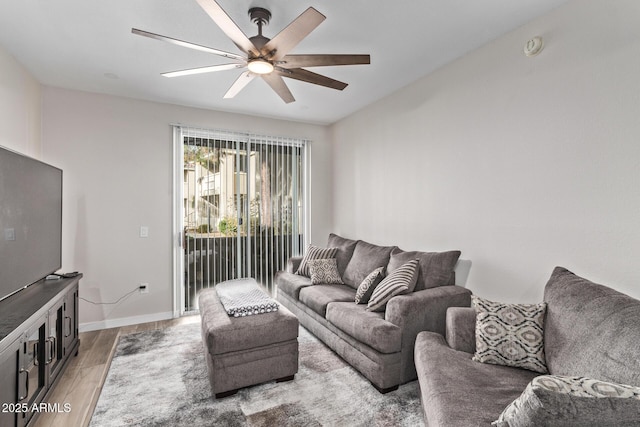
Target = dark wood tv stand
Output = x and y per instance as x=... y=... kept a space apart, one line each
x=38 y=335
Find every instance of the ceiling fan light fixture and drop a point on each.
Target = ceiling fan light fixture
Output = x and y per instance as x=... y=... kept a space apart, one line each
x=260 y=66
x=260 y=54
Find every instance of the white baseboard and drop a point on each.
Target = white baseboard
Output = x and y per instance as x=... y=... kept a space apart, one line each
x=124 y=321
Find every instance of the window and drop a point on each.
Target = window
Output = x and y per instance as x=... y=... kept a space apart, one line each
x=243 y=211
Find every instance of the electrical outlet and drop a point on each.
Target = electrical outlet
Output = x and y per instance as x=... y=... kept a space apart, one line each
x=9 y=234
x=143 y=288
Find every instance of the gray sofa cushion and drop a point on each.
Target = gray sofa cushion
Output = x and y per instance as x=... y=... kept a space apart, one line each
x=368 y=327
x=316 y=297
x=556 y=400
x=456 y=391
x=366 y=258
x=436 y=268
x=591 y=330
x=290 y=283
x=345 y=250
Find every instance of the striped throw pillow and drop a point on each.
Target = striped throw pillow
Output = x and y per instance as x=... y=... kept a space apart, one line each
x=314 y=252
x=400 y=281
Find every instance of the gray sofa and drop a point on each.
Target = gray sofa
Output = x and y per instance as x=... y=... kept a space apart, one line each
x=378 y=344
x=589 y=331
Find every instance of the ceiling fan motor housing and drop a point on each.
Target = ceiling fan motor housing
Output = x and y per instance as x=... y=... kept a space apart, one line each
x=258 y=41
x=260 y=17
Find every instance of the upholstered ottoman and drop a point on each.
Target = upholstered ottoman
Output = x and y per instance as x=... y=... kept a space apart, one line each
x=248 y=350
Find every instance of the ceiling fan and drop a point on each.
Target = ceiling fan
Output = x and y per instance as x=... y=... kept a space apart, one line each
x=264 y=57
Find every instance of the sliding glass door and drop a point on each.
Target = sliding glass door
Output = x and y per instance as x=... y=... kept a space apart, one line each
x=240 y=210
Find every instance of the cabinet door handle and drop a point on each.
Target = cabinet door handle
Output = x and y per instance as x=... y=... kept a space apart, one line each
x=66 y=335
x=36 y=354
x=47 y=351
x=52 y=349
x=26 y=385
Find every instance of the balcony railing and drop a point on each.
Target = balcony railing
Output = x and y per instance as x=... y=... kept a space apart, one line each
x=211 y=258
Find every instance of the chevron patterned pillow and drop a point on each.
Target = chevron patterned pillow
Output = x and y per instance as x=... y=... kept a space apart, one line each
x=510 y=334
x=368 y=285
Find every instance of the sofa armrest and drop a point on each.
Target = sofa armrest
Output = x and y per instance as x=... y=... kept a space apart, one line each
x=425 y=310
x=461 y=329
x=293 y=263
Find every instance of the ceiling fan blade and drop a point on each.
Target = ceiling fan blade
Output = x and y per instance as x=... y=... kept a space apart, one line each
x=299 y=61
x=201 y=70
x=311 y=77
x=279 y=86
x=239 y=84
x=227 y=25
x=187 y=44
x=297 y=30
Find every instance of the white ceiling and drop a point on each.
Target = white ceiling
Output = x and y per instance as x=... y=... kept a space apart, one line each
x=87 y=45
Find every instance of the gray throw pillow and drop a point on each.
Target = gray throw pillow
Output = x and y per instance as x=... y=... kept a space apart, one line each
x=552 y=400
x=397 y=283
x=324 y=271
x=366 y=288
x=314 y=252
x=510 y=334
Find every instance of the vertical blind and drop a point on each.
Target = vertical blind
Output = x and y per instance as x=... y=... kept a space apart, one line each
x=243 y=206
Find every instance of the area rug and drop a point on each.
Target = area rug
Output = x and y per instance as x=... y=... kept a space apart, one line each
x=159 y=378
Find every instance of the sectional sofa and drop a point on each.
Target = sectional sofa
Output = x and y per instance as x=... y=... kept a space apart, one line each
x=379 y=344
x=590 y=350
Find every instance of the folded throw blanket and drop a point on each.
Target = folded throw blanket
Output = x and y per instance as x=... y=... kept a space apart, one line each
x=243 y=297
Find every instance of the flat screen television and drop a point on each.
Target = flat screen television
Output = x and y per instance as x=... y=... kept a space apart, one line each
x=30 y=221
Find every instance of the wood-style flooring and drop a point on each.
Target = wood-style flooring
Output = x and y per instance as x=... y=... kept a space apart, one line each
x=82 y=380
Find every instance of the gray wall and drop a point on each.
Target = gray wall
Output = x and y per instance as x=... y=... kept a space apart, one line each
x=20 y=111
x=116 y=154
x=521 y=163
